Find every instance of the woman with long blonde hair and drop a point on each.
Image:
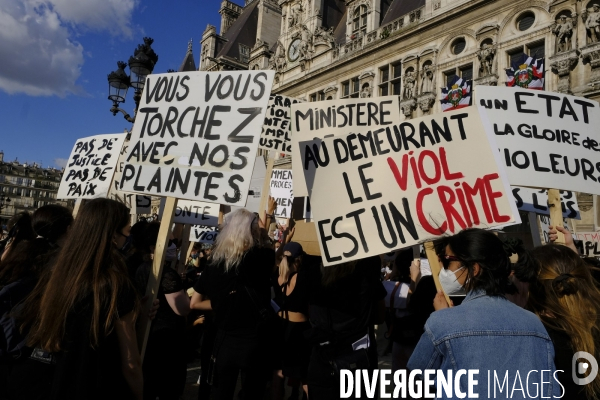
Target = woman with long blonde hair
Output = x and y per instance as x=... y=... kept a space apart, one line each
x=236 y=285
x=567 y=301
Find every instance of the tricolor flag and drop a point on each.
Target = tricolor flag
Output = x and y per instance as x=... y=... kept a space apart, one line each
x=457 y=94
x=526 y=73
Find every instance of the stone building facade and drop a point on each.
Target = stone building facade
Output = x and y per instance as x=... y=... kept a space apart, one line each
x=332 y=49
x=28 y=186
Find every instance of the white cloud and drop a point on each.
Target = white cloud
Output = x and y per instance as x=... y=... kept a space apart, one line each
x=39 y=54
x=61 y=162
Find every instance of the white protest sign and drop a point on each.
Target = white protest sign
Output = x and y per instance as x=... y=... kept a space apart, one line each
x=545 y=224
x=276 y=134
x=282 y=192
x=546 y=139
x=203 y=234
x=587 y=243
x=137 y=204
x=536 y=200
x=337 y=117
x=196 y=135
x=256 y=184
x=91 y=165
x=194 y=213
x=405 y=187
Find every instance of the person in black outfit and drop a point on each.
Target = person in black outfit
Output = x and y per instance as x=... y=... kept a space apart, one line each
x=565 y=298
x=85 y=317
x=165 y=359
x=346 y=300
x=236 y=285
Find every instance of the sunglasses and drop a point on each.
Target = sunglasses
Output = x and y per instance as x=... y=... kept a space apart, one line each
x=447 y=259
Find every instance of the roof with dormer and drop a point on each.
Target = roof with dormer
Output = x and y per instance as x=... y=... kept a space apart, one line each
x=399 y=8
x=242 y=31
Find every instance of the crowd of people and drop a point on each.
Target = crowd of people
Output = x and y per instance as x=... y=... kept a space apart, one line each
x=264 y=312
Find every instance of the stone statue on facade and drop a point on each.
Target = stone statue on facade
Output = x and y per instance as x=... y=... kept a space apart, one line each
x=563 y=29
x=592 y=22
x=278 y=62
x=486 y=58
x=295 y=16
x=428 y=80
x=324 y=35
x=365 y=91
x=409 y=86
x=306 y=46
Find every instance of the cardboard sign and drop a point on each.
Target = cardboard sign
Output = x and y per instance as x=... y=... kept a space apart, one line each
x=397 y=185
x=546 y=139
x=587 y=243
x=545 y=224
x=276 y=133
x=194 y=213
x=203 y=234
x=137 y=204
x=256 y=184
x=281 y=190
x=196 y=135
x=536 y=200
x=89 y=171
x=335 y=118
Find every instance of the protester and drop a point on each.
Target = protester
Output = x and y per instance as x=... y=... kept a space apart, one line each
x=236 y=284
x=19 y=274
x=486 y=332
x=565 y=298
x=136 y=253
x=19 y=229
x=292 y=295
x=85 y=319
x=165 y=360
x=346 y=300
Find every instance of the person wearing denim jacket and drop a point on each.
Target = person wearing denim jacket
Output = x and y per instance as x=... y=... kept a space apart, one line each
x=508 y=345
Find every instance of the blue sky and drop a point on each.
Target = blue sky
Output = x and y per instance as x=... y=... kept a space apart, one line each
x=56 y=55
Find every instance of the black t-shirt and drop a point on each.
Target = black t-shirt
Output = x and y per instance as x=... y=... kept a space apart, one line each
x=343 y=311
x=563 y=355
x=83 y=372
x=234 y=308
x=170 y=282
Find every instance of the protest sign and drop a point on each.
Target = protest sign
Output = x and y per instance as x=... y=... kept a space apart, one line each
x=137 y=204
x=547 y=140
x=282 y=192
x=90 y=168
x=196 y=135
x=545 y=224
x=536 y=200
x=397 y=185
x=193 y=212
x=335 y=118
x=256 y=184
x=276 y=133
x=587 y=243
x=203 y=234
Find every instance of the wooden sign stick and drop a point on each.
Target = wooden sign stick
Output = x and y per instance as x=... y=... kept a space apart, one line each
x=556 y=215
x=157 y=268
x=185 y=244
x=434 y=263
x=78 y=204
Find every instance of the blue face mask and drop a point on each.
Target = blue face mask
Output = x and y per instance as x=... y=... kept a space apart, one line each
x=194 y=256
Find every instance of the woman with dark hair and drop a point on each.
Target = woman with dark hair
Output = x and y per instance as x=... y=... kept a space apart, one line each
x=236 y=285
x=19 y=273
x=85 y=317
x=565 y=298
x=164 y=363
x=19 y=229
x=486 y=332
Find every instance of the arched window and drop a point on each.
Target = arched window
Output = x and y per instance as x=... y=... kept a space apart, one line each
x=359 y=21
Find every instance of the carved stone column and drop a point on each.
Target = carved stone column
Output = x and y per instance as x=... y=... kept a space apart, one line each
x=407 y=107
x=426 y=101
x=562 y=64
x=591 y=53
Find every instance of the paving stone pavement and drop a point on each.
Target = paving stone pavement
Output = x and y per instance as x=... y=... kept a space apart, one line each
x=191 y=386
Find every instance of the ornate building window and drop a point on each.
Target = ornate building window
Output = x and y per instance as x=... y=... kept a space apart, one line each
x=525 y=21
x=464 y=72
x=458 y=46
x=244 y=53
x=351 y=88
x=389 y=78
x=317 y=96
x=534 y=50
x=359 y=20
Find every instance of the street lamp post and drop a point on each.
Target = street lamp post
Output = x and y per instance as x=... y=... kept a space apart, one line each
x=141 y=64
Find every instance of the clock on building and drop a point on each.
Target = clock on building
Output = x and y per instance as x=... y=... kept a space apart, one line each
x=294 y=50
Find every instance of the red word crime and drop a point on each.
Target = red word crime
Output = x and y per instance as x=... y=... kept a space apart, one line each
x=458 y=199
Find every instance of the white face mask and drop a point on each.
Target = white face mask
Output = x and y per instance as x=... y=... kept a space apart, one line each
x=450 y=283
